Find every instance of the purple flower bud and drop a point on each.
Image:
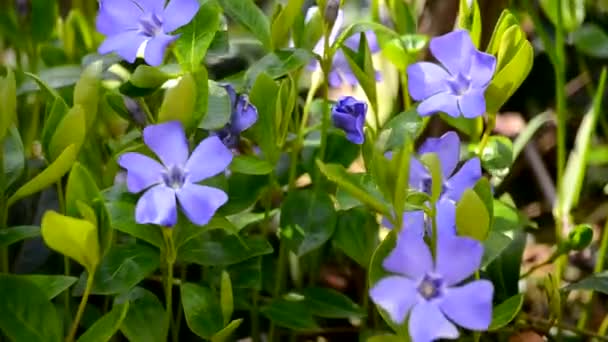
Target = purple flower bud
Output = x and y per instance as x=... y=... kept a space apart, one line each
x=244 y=115
x=348 y=114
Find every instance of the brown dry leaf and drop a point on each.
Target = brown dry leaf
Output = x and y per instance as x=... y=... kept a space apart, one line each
x=526 y=336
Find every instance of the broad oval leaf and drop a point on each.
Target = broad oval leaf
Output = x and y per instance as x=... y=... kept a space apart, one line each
x=247 y=13
x=107 y=326
x=202 y=309
x=15 y=234
x=250 y=165
x=71 y=130
x=472 y=217
x=196 y=37
x=51 y=285
x=145 y=320
x=506 y=311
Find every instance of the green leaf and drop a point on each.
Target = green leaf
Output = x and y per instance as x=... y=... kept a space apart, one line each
x=528 y=132
x=196 y=37
x=51 y=285
x=43 y=19
x=148 y=77
x=250 y=165
x=219 y=108
x=216 y=248
x=179 y=102
x=385 y=338
x=404 y=50
x=356 y=235
x=506 y=311
x=285 y=19
x=8 y=110
x=26 y=314
x=122 y=215
x=504 y=270
x=433 y=164
x=291 y=312
x=358 y=28
x=361 y=65
x=402 y=16
x=121 y=269
x=462 y=124
x=57 y=112
x=278 y=64
x=264 y=129
x=493 y=246
x=70 y=131
x=227 y=331
x=145 y=320
x=596 y=282
x=328 y=303
x=50 y=79
x=202 y=310
x=72 y=237
x=15 y=234
x=86 y=92
x=591 y=40
x=472 y=217
x=572 y=12
x=14 y=158
x=226 y=300
x=508 y=218
x=107 y=326
x=497 y=156
x=574 y=174
x=405 y=126
x=469 y=18
x=354 y=185
x=48 y=176
x=308 y=220
x=246 y=13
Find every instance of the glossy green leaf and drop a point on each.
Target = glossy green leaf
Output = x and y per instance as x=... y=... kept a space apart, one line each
x=145 y=320
x=58 y=110
x=250 y=165
x=591 y=40
x=43 y=19
x=196 y=37
x=472 y=217
x=70 y=131
x=356 y=235
x=572 y=12
x=504 y=271
x=14 y=158
x=402 y=16
x=107 y=326
x=433 y=164
x=308 y=220
x=216 y=248
x=86 y=92
x=508 y=218
x=354 y=185
x=493 y=246
x=12 y=235
x=121 y=269
x=48 y=176
x=219 y=108
x=278 y=64
x=122 y=215
x=49 y=80
x=51 y=285
x=359 y=27
x=179 y=102
x=361 y=64
x=148 y=77
x=264 y=129
x=404 y=126
x=404 y=50
x=328 y=303
x=291 y=312
x=469 y=18
x=226 y=299
x=497 y=156
x=227 y=331
x=462 y=124
x=202 y=310
x=285 y=19
x=26 y=314
x=506 y=311
x=596 y=282
x=246 y=13
x=8 y=110
x=72 y=237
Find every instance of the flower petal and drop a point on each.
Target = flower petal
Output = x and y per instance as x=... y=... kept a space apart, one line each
x=168 y=141
x=157 y=206
x=457 y=258
x=125 y=44
x=465 y=178
x=447 y=148
x=472 y=103
x=208 y=159
x=179 y=13
x=200 y=202
x=155 y=49
x=446 y=217
x=440 y=102
x=426 y=79
x=142 y=171
x=245 y=114
x=396 y=295
x=418 y=175
x=427 y=323
x=155 y=6
x=415 y=222
x=411 y=256
x=482 y=69
x=454 y=50
x=469 y=306
x=120 y=13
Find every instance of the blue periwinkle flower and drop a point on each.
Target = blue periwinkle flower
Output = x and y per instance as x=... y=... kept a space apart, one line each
x=127 y=24
x=430 y=290
x=176 y=177
x=456 y=87
x=244 y=115
x=348 y=114
x=447 y=148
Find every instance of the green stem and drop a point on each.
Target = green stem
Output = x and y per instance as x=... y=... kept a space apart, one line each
x=169 y=261
x=278 y=284
x=405 y=93
x=487 y=133
x=255 y=316
x=179 y=313
x=4 y=255
x=81 y=307
x=146 y=109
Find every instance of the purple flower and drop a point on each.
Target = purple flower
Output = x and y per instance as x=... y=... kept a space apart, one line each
x=428 y=291
x=348 y=114
x=176 y=177
x=458 y=87
x=447 y=148
x=127 y=24
x=244 y=115
x=419 y=223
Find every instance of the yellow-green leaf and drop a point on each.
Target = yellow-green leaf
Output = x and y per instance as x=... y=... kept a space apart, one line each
x=8 y=109
x=179 y=102
x=71 y=130
x=472 y=218
x=86 y=92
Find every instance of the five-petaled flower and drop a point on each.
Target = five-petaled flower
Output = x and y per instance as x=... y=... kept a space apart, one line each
x=176 y=177
x=447 y=148
x=430 y=291
x=459 y=86
x=128 y=24
x=244 y=115
x=348 y=114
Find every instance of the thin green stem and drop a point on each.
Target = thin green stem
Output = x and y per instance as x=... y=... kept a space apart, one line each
x=169 y=261
x=81 y=307
x=255 y=316
x=487 y=133
x=405 y=94
x=278 y=284
x=179 y=313
x=146 y=109
x=3 y=220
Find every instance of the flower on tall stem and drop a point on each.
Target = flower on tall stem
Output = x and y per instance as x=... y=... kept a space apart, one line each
x=456 y=87
x=175 y=178
x=128 y=24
